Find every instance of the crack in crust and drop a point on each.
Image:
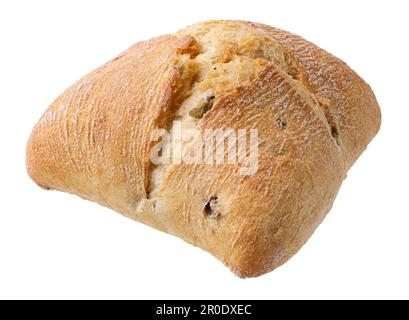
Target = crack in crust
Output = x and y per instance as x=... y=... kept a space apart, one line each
x=214 y=63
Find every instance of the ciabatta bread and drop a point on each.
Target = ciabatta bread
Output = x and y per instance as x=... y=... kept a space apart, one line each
x=313 y=114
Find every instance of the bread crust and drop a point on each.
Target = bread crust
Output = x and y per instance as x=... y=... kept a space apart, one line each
x=94 y=140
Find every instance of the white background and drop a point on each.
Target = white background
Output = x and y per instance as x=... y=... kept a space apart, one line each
x=54 y=245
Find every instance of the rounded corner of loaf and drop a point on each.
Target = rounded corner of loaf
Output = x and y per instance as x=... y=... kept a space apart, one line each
x=35 y=160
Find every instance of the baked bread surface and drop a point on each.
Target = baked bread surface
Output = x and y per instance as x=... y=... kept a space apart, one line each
x=314 y=117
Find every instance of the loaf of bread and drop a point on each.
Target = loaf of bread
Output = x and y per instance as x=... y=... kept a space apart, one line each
x=312 y=114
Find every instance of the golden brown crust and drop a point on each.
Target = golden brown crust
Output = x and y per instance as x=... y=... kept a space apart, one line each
x=314 y=116
x=267 y=216
x=349 y=102
x=93 y=139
